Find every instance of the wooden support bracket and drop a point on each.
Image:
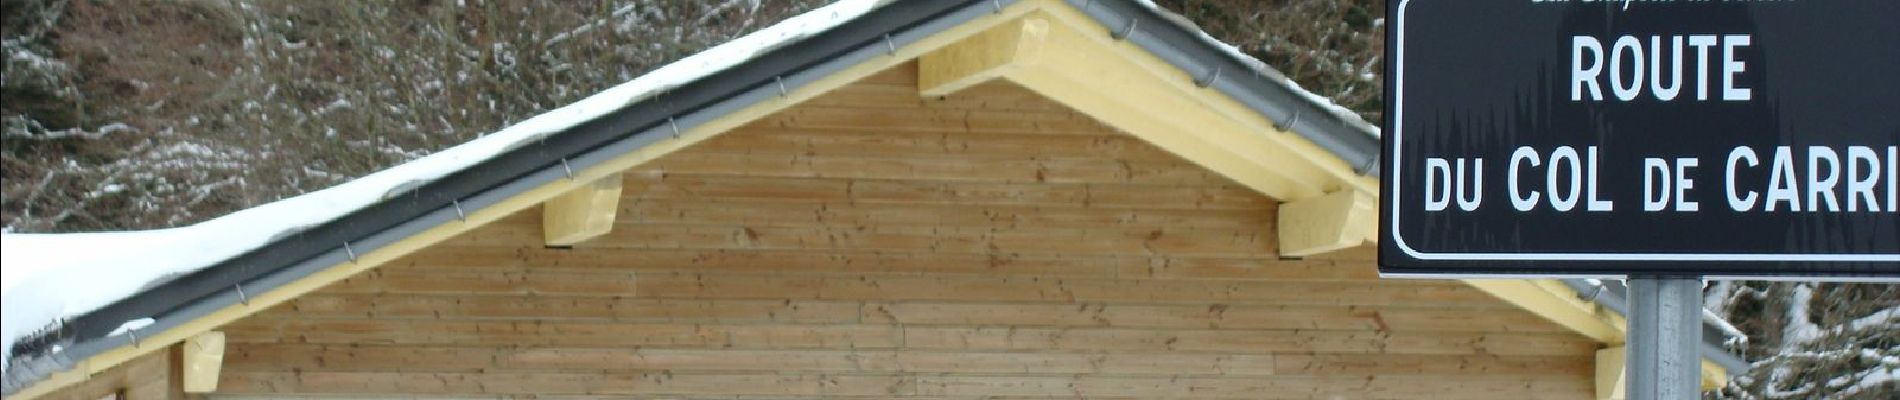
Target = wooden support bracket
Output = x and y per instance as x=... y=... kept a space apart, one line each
x=1610 y=373
x=982 y=57
x=1326 y=223
x=203 y=359
x=586 y=212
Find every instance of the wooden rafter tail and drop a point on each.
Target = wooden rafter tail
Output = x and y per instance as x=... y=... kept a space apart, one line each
x=584 y=213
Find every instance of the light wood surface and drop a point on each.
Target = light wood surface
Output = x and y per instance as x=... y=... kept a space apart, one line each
x=153 y=376
x=947 y=248
x=201 y=360
x=583 y=213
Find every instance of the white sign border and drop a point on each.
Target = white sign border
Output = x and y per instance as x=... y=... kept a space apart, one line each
x=1398 y=136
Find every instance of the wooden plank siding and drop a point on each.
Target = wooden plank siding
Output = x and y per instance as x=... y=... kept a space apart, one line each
x=874 y=244
x=154 y=376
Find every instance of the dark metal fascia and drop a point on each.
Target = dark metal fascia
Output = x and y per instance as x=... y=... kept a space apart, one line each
x=1242 y=81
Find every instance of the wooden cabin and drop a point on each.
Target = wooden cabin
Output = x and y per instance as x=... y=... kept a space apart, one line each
x=932 y=200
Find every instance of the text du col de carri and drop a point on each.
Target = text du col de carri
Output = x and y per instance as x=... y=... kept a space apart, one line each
x=1847 y=178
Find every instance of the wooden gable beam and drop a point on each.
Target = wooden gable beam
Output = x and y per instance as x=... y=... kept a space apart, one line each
x=1610 y=370
x=1067 y=57
x=1063 y=55
x=584 y=213
x=203 y=359
x=1327 y=223
x=981 y=58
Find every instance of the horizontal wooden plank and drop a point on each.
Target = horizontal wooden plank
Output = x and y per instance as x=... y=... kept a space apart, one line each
x=608 y=382
x=936 y=119
x=767 y=213
x=563 y=308
x=668 y=383
x=1413 y=364
x=1017 y=289
x=561 y=333
x=1326 y=387
x=972 y=145
x=883 y=262
x=937 y=167
x=680 y=285
x=651 y=186
x=825 y=190
x=523 y=283
x=1243 y=342
x=359 y=396
x=974 y=339
x=1248 y=269
x=280 y=357
x=1131 y=241
x=1216 y=316
x=820 y=262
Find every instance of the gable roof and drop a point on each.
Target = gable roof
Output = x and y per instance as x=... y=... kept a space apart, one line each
x=220 y=263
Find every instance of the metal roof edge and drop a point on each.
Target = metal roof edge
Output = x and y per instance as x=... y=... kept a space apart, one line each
x=1184 y=46
x=285 y=259
x=1615 y=298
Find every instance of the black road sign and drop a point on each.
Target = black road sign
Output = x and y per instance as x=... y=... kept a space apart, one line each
x=1707 y=137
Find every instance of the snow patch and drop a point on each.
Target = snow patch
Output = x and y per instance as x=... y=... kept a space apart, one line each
x=53 y=276
x=131 y=326
x=1888 y=318
x=1801 y=329
x=1735 y=336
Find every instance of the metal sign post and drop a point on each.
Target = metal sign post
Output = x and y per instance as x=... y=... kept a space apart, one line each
x=1660 y=141
x=1665 y=324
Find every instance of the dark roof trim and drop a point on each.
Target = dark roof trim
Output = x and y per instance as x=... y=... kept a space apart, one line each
x=1242 y=80
x=1613 y=295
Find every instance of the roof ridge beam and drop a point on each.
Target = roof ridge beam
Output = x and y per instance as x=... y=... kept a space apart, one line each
x=982 y=57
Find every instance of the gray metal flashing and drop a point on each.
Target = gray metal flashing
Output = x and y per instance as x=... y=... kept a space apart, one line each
x=1241 y=80
x=1614 y=296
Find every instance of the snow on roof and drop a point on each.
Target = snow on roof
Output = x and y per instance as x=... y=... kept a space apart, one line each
x=46 y=277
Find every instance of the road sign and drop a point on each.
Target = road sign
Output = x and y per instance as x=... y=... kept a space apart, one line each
x=1692 y=137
